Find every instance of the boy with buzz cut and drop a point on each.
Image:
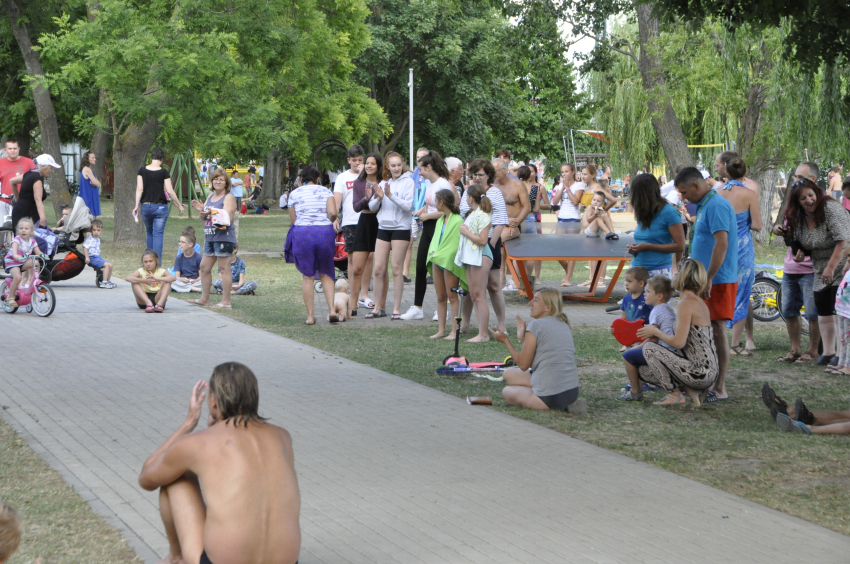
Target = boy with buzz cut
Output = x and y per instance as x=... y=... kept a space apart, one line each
x=10 y=532
x=187 y=267
x=91 y=247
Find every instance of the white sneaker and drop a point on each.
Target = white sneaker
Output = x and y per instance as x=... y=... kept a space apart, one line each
x=436 y=317
x=413 y=313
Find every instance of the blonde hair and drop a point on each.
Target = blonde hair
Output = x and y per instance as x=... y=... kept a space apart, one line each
x=341 y=285
x=25 y=220
x=10 y=531
x=554 y=301
x=221 y=172
x=661 y=285
x=692 y=276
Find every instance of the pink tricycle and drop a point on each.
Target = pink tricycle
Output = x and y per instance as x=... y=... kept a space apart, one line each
x=37 y=295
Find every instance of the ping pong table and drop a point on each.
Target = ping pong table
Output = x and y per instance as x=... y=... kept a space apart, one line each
x=550 y=244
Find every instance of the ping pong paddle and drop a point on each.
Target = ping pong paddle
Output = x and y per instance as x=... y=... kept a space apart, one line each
x=626 y=331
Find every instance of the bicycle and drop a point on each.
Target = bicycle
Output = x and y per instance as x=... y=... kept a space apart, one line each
x=766 y=298
x=36 y=296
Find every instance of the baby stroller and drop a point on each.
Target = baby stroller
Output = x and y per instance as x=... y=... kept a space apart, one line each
x=72 y=234
x=340 y=263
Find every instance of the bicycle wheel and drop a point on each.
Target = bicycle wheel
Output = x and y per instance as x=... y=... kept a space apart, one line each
x=804 y=321
x=764 y=299
x=43 y=300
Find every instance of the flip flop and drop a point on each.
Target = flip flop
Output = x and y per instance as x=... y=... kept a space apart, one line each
x=711 y=397
x=373 y=315
x=612 y=237
x=219 y=306
x=333 y=319
x=790 y=357
x=158 y=309
x=396 y=317
x=805 y=358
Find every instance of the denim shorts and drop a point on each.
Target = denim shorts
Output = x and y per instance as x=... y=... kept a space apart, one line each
x=96 y=261
x=796 y=292
x=218 y=249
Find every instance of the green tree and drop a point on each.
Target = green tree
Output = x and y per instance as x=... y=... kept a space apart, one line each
x=229 y=81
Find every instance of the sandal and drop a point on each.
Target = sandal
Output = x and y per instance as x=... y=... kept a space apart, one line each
x=396 y=317
x=150 y=309
x=805 y=358
x=612 y=237
x=375 y=315
x=824 y=359
x=158 y=308
x=629 y=396
x=333 y=319
x=673 y=398
x=739 y=351
x=790 y=357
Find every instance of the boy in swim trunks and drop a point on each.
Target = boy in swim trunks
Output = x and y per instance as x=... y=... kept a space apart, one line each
x=247 y=468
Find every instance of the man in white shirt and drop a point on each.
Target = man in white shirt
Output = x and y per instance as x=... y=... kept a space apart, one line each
x=569 y=195
x=343 y=187
x=284 y=200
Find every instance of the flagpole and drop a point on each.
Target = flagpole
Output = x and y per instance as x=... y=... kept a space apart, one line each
x=410 y=117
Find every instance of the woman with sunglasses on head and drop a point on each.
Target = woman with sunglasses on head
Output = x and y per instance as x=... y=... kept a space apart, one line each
x=820 y=225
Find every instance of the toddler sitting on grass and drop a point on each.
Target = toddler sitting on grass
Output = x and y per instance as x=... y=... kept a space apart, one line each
x=237 y=272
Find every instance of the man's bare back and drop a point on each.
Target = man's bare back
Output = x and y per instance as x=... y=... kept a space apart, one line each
x=249 y=512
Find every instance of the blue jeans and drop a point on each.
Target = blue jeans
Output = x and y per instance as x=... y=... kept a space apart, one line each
x=796 y=292
x=154 y=216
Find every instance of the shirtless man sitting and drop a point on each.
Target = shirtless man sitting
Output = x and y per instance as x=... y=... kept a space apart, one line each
x=249 y=510
x=517 y=204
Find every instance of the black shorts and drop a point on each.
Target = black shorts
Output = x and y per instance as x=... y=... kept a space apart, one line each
x=394 y=235
x=497 y=256
x=560 y=402
x=366 y=234
x=348 y=233
x=151 y=297
x=825 y=301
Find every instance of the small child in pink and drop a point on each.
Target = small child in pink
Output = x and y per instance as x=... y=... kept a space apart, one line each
x=22 y=245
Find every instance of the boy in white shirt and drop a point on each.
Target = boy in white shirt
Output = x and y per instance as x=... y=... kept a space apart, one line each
x=91 y=247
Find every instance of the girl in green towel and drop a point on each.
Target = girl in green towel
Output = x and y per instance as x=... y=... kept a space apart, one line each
x=441 y=260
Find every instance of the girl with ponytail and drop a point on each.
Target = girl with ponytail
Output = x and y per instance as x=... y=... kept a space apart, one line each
x=475 y=256
x=441 y=255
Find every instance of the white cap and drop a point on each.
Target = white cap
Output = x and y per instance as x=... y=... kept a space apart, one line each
x=46 y=159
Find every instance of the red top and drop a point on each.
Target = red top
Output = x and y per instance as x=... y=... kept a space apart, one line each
x=10 y=169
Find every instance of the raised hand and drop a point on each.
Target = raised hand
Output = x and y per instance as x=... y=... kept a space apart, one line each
x=387 y=192
x=196 y=402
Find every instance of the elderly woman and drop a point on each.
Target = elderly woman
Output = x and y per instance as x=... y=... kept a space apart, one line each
x=311 y=240
x=31 y=194
x=694 y=369
x=659 y=232
x=545 y=376
x=219 y=238
x=820 y=225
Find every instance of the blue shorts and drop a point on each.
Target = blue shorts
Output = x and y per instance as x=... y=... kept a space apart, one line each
x=218 y=249
x=96 y=261
x=797 y=292
x=568 y=220
x=635 y=357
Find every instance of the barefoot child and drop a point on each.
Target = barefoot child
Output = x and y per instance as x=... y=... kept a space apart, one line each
x=596 y=220
x=475 y=256
x=91 y=248
x=151 y=284
x=340 y=298
x=441 y=254
x=16 y=264
x=842 y=308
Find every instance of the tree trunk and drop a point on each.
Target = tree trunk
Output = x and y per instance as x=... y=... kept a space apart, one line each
x=767 y=177
x=49 y=126
x=24 y=142
x=130 y=151
x=272 y=186
x=100 y=146
x=664 y=119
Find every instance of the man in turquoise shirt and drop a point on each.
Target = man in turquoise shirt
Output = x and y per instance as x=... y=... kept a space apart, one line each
x=714 y=244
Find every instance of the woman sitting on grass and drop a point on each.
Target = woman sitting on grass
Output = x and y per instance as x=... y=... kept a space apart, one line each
x=798 y=419
x=546 y=375
x=695 y=369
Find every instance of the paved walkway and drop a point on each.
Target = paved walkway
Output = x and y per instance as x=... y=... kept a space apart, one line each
x=390 y=471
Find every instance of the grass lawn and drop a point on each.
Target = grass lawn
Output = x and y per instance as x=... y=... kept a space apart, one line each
x=58 y=525
x=735 y=446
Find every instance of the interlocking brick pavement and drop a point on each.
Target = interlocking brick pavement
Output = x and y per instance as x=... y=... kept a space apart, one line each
x=390 y=471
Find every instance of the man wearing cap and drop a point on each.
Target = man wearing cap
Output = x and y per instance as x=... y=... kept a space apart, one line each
x=31 y=194
x=11 y=166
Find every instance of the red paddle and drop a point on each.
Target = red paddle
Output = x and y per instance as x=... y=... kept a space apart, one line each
x=626 y=331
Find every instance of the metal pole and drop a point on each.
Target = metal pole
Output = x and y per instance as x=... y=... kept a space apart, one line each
x=573 y=140
x=410 y=117
x=566 y=154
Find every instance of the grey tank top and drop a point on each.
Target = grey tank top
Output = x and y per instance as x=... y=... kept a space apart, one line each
x=213 y=233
